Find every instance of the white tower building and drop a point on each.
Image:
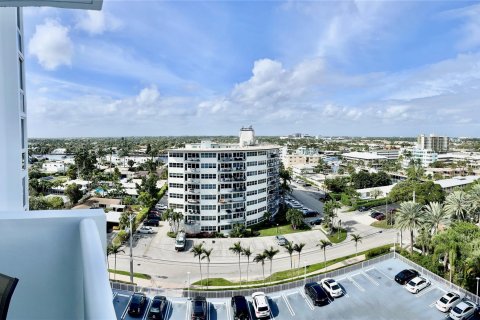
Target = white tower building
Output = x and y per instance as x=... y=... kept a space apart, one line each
x=247 y=136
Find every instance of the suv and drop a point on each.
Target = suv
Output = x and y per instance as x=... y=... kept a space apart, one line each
x=199 y=308
x=406 y=275
x=151 y=223
x=260 y=305
x=240 y=308
x=316 y=293
x=158 y=308
x=137 y=304
x=281 y=240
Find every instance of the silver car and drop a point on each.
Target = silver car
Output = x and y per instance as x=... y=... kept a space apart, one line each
x=281 y=240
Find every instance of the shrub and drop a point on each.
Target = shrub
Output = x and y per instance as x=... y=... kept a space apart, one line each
x=172 y=234
x=377 y=251
x=122 y=236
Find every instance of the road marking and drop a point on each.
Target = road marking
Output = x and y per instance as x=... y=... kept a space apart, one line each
x=432 y=304
x=288 y=305
x=114 y=295
x=383 y=273
x=126 y=308
x=208 y=311
x=123 y=295
x=370 y=278
x=356 y=284
x=149 y=304
x=169 y=310
x=187 y=311
x=306 y=300
x=425 y=291
x=249 y=310
x=228 y=309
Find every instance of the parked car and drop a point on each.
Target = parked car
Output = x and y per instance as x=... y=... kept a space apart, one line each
x=240 y=308
x=199 y=308
x=406 y=275
x=316 y=222
x=332 y=287
x=281 y=240
x=374 y=214
x=180 y=241
x=154 y=216
x=260 y=305
x=151 y=223
x=158 y=308
x=463 y=310
x=447 y=302
x=380 y=217
x=362 y=209
x=310 y=213
x=145 y=230
x=315 y=292
x=417 y=284
x=161 y=206
x=137 y=304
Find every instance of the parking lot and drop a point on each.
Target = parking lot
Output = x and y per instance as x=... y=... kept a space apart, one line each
x=370 y=293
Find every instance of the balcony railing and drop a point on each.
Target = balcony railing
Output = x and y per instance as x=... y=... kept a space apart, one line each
x=192 y=170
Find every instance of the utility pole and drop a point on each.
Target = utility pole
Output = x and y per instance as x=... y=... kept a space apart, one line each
x=130 y=218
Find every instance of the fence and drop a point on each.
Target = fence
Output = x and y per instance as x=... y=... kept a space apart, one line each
x=299 y=283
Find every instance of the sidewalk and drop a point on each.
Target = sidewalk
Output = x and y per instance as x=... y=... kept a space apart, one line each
x=337 y=265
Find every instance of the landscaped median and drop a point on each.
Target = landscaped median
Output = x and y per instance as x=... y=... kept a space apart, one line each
x=293 y=274
x=336 y=236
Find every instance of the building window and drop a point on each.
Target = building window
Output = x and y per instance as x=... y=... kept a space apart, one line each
x=19 y=21
x=22 y=102
x=22 y=133
x=24 y=192
x=19 y=44
x=20 y=71
x=24 y=162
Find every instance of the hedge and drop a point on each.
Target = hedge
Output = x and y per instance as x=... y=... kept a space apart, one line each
x=122 y=236
x=377 y=251
x=369 y=203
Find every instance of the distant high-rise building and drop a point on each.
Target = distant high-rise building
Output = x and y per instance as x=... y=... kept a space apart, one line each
x=216 y=186
x=439 y=144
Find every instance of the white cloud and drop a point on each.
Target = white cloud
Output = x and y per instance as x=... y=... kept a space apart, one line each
x=97 y=22
x=51 y=45
x=469 y=31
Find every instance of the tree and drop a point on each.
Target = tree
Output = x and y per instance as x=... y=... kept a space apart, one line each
x=167 y=215
x=260 y=258
x=73 y=192
x=415 y=172
x=375 y=193
x=130 y=163
x=176 y=218
x=298 y=248
x=435 y=215
x=323 y=246
x=290 y=249
x=410 y=217
x=146 y=200
x=295 y=217
x=330 y=212
x=458 y=204
x=425 y=192
x=237 y=249
x=337 y=184
x=286 y=178
x=270 y=253
x=115 y=249
x=475 y=200
x=206 y=255
x=356 y=238
x=197 y=251
x=247 y=253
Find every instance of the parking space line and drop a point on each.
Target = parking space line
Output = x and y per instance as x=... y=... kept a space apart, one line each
x=123 y=295
x=169 y=310
x=187 y=311
x=228 y=309
x=288 y=305
x=306 y=300
x=356 y=284
x=432 y=304
x=147 y=309
x=249 y=310
x=370 y=278
x=208 y=311
x=114 y=295
x=425 y=291
x=126 y=308
x=383 y=273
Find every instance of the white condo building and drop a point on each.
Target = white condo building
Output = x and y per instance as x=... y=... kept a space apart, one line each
x=439 y=144
x=218 y=185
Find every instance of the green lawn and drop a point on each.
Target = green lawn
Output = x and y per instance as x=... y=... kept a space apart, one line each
x=135 y=275
x=337 y=237
x=283 y=229
x=282 y=275
x=382 y=224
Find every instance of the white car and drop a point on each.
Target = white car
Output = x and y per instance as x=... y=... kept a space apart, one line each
x=332 y=287
x=145 y=230
x=161 y=206
x=260 y=305
x=447 y=302
x=463 y=310
x=417 y=284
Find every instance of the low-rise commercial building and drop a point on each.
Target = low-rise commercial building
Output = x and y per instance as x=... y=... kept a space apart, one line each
x=449 y=185
x=364 y=159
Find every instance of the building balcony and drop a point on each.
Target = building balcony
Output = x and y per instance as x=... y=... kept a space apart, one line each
x=225 y=169
x=195 y=201
x=192 y=191
x=192 y=170
x=192 y=160
x=60 y=261
x=195 y=181
x=239 y=199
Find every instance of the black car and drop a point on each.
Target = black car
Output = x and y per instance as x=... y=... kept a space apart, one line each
x=137 y=304
x=199 y=308
x=406 y=275
x=362 y=209
x=158 y=308
x=154 y=216
x=151 y=223
x=316 y=222
x=374 y=214
x=316 y=293
x=310 y=213
x=240 y=308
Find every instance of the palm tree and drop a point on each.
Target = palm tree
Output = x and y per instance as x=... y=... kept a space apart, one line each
x=270 y=253
x=475 y=200
x=237 y=249
x=323 y=246
x=247 y=253
x=167 y=215
x=286 y=179
x=261 y=258
x=409 y=216
x=197 y=251
x=114 y=249
x=357 y=238
x=295 y=217
x=290 y=249
x=298 y=248
x=206 y=255
x=458 y=204
x=435 y=215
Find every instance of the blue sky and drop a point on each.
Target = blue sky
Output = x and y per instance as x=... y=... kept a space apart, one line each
x=375 y=68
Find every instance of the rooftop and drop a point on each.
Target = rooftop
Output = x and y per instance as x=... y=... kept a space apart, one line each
x=364 y=156
x=456 y=181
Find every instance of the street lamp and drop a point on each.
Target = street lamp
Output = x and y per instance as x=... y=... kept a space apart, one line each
x=130 y=218
x=277 y=228
x=188 y=282
x=304 y=272
x=478 y=279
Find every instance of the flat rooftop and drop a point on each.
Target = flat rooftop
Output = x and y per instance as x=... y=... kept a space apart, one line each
x=363 y=156
x=369 y=293
x=457 y=181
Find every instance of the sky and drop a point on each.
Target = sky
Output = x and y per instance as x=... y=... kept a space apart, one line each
x=159 y=68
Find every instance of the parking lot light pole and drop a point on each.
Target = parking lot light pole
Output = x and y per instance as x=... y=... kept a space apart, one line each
x=277 y=228
x=188 y=283
x=478 y=279
x=130 y=218
x=304 y=272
